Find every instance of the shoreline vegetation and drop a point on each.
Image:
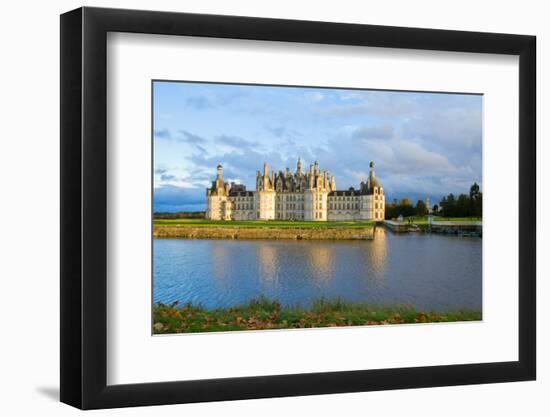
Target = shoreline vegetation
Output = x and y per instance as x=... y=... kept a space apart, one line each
x=264 y=314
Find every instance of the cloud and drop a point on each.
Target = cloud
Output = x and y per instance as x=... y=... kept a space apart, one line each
x=235 y=141
x=371 y=103
x=283 y=132
x=191 y=138
x=422 y=144
x=374 y=132
x=162 y=134
x=167 y=177
x=314 y=96
x=199 y=103
x=171 y=198
x=278 y=131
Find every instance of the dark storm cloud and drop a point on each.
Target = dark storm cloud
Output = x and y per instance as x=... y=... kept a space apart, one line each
x=170 y=198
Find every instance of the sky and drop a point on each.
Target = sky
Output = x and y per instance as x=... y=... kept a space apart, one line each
x=423 y=144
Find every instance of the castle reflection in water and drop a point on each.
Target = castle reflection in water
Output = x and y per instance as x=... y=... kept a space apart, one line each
x=412 y=269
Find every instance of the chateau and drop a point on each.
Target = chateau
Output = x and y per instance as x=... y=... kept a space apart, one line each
x=295 y=196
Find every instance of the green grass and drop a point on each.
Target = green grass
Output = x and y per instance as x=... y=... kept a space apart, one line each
x=259 y=223
x=423 y=220
x=267 y=314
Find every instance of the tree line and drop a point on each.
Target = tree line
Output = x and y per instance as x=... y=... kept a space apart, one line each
x=463 y=205
x=179 y=215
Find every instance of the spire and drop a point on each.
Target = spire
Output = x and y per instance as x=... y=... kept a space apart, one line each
x=371 y=181
x=266 y=171
x=299 y=167
x=219 y=174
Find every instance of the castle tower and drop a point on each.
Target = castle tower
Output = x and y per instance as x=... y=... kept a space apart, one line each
x=372 y=200
x=299 y=167
x=218 y=207
x=264 y=199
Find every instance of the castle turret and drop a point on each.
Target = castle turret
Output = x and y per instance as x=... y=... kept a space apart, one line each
x=371 y=173
x=299 y=167
x=371 y=181
x=217 y=205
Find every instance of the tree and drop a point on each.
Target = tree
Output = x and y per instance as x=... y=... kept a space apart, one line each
x=476 y=200
x=421 y=208
x=448 y=204
x=390 y=211
x=435 y=209
x=462 y=206
x=405 y=208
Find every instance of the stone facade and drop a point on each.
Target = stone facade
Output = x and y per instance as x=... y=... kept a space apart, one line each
x=310 y=195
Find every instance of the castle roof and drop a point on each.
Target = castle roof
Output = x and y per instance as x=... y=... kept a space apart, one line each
x=343 y=193
x=234 y=193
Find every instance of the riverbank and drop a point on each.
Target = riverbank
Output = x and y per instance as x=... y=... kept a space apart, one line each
x=265 y=314
x=204 y=229
x=470 y=226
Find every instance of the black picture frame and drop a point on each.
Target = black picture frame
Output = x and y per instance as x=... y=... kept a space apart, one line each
x=84 y=207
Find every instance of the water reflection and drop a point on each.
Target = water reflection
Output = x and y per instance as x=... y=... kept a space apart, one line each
x=267 y=259
x=376 y=254
x=424 y=271
x=320 y=258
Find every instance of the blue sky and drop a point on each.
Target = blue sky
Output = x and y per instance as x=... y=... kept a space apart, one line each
x=423 y=144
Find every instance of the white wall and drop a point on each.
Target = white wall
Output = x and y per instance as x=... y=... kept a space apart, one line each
x=29 y=170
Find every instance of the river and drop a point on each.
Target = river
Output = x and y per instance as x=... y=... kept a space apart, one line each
x=429 y=272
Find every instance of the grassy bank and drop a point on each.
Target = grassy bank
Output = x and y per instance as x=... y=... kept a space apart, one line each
x=259 y=223
x=266 y=314
x=423 y=220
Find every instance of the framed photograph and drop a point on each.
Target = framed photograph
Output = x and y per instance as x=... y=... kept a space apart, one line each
x=257 y=208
